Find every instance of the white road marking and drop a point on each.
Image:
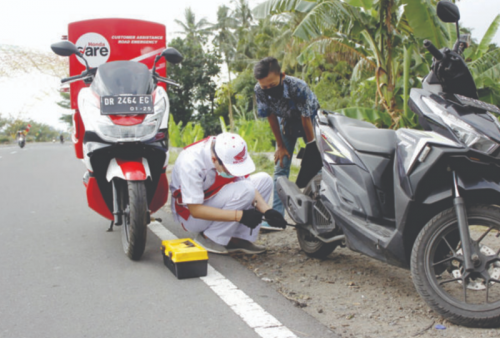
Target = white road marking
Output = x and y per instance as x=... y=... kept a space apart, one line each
x=264 y=324
x=13 y=152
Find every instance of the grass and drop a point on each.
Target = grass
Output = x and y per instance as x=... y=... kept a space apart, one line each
x=172 y=157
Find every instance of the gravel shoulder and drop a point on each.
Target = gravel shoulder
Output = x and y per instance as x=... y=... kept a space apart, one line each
x=352 y=294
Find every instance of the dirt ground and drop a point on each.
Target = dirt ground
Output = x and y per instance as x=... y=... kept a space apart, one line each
x=354 y=295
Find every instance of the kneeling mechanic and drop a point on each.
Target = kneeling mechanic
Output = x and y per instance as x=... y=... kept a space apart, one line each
x=214 y=195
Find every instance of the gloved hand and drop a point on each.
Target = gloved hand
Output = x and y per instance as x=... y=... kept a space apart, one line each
x=275 y=218
x=251 y=218
x=311 y=164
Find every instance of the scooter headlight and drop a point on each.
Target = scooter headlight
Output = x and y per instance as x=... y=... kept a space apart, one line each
x=464 y=132
x=111 y=132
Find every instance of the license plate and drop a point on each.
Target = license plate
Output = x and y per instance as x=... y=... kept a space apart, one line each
x=127 y=104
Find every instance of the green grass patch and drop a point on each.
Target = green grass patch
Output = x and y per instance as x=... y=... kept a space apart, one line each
x=172 y=157
x=5 y=139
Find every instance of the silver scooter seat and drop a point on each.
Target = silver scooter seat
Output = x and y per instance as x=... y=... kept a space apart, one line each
x=364 y=136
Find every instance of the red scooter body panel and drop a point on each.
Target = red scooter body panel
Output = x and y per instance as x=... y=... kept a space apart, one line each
x=133 y=170
x=79 y=132
x=95 y=200
x=106 y=40
x=161 y=194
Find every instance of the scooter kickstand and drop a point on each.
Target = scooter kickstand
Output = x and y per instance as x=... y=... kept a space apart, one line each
x=110 y=229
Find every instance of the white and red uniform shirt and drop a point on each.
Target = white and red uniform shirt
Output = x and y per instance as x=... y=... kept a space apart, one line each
x=194 y=178
x=195 y=181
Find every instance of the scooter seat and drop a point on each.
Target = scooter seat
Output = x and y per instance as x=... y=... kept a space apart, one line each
x=364 y=136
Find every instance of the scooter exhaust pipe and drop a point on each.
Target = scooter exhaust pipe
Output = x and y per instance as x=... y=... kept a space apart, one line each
x=296 y=203
x=299 y=207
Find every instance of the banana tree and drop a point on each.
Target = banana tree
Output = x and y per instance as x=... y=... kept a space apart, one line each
x=225 y=41
x=376 y=32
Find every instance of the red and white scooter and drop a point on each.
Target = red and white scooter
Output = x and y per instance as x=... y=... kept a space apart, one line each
x=123 y=117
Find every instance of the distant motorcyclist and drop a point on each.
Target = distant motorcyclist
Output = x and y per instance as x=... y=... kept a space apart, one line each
x=61 y=138
x=21 y=138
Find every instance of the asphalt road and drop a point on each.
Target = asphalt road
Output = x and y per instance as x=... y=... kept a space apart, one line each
x=63 y=275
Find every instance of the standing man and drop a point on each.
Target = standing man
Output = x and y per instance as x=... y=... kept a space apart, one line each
x=289 y=106
x=214 y=196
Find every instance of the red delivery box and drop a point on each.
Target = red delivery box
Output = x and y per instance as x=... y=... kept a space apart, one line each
x=105 y=40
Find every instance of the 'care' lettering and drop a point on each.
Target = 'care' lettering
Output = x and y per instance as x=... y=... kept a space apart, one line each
x=96 y=51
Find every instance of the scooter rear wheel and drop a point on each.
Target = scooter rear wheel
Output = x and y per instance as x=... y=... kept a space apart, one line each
x=135 y=220
x=312 y=246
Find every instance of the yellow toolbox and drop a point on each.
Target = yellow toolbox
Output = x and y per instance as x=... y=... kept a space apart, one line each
x=185 y=258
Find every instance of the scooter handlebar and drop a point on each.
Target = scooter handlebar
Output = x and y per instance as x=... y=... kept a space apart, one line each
x=165 y=80
x=83 y=75
x=433 y=50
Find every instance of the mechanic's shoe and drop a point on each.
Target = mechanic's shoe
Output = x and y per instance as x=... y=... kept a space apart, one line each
x=266 y=227
x=241 y=245
x=210 y=245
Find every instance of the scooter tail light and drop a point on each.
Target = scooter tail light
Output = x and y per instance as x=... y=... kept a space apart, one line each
x=127 y=120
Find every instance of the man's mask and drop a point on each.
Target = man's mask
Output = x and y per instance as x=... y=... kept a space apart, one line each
x=275 y=92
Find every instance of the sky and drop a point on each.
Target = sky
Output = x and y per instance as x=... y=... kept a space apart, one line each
x=38 y=24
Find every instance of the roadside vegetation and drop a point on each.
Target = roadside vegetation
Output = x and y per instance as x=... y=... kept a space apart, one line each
x=39 y=132
x=360 y=57
x=17 y=61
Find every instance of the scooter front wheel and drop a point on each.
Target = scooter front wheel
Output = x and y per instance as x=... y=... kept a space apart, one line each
x=135 y=220
x=469 y=298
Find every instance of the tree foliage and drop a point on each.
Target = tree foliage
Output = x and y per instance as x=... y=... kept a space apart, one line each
x=17 y=60
x=196 y=75
x=381 y=40
x=39 y=132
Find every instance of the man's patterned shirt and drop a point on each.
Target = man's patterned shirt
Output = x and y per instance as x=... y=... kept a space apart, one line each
x=298 y=100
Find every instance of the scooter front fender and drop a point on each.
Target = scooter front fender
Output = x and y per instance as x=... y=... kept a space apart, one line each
x=128 y=170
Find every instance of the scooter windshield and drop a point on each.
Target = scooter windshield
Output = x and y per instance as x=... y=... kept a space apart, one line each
x=122 y=77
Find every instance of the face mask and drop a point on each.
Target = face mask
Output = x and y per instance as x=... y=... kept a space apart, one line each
x=275 y=92
x=224 y=174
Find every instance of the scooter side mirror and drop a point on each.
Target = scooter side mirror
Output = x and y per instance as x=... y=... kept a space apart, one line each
x=65 y=48
x=172 y=55
x=447 y=11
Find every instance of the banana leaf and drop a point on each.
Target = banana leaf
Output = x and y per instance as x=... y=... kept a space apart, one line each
x=422 y=17
x=486 y=69
x=272 y=7
x=488 y=36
